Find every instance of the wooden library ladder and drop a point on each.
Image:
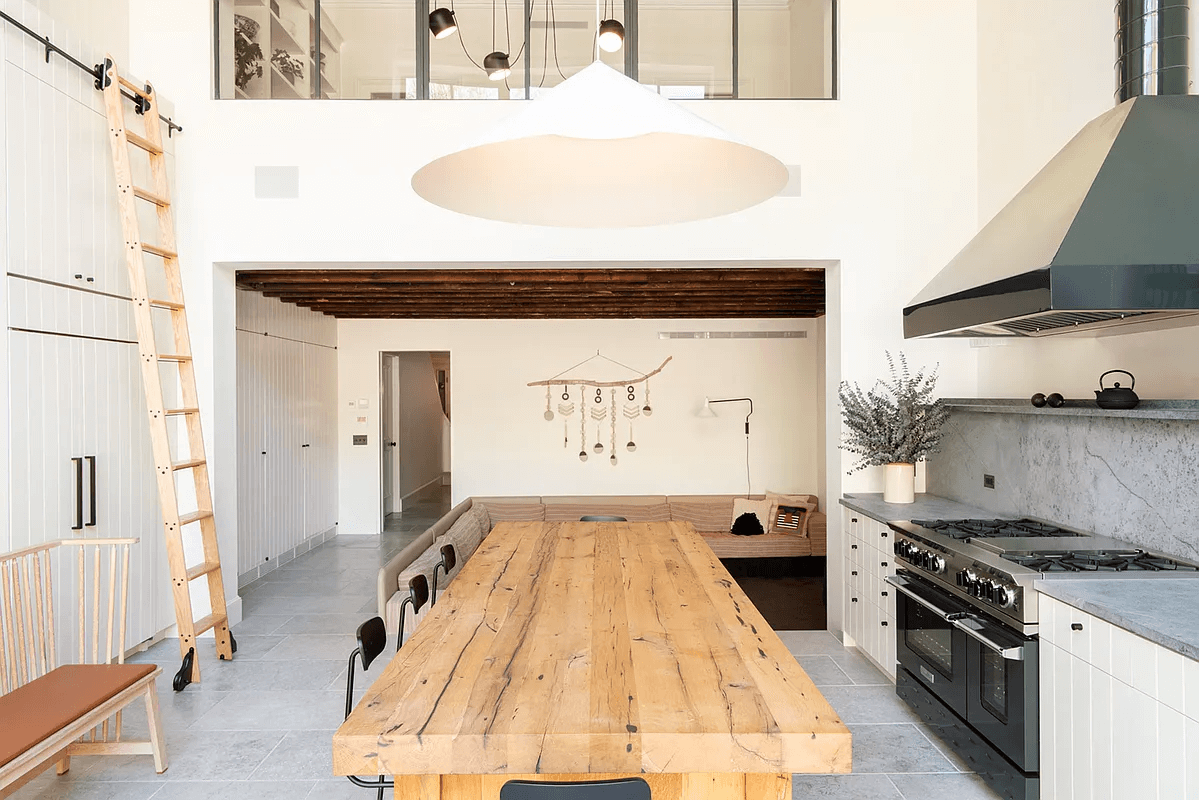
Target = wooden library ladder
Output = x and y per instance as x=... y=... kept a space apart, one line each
x=144 y=308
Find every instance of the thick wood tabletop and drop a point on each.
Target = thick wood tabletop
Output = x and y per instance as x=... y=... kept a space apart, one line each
x=592 y=648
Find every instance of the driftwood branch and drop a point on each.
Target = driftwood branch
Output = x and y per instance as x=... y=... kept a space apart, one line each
x=600 y=384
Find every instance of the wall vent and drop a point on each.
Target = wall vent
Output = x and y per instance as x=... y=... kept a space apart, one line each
x=732 y=334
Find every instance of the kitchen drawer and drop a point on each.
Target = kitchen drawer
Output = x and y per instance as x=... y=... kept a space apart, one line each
x=857 y=550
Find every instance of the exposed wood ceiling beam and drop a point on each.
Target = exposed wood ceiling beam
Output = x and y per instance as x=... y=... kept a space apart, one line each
x=544 y=293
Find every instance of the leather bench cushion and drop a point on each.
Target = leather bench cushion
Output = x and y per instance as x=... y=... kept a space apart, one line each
x=634 y=508
x=423 y=565
x=519 y=509
x=40 y=708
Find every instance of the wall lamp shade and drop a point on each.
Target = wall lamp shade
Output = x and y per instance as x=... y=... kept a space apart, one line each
x=601 y=151
x=497 y=66
x=442 y=23
x=611 y=35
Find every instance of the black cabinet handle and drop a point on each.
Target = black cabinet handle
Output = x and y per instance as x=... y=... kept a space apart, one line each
x=78 y=526
x=1076 y=626
x=855 y=572
x=884 y=594
x=884 y=563
x=853 y=519
x=853 y=547
x=853 y=599
x=92 y=469
x=884 y=623
x=883 y=534
x=303 y=445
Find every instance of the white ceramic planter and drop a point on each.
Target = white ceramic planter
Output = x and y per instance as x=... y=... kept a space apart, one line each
x=901 y=483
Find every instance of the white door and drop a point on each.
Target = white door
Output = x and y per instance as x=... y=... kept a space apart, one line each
x=389 y=437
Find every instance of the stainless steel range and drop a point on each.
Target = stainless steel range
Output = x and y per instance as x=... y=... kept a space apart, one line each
x=966 y=627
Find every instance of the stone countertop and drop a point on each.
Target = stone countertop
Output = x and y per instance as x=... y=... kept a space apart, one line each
x=927 y=506
x=1161 y=610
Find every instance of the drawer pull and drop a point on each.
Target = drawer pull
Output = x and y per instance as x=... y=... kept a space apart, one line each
x=884 y=623
x=1076 y=626
x=855 y=572
x=853 y=599
x=884 y=594
x=853 y=547
x=884 y=563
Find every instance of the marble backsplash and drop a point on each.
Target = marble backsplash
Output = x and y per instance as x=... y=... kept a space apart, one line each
x=1134 y=479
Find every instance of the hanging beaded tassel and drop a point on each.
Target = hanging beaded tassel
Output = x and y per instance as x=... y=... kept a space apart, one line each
x=582 y=437
x=549 y=415
x=646 y=409
x=612 y=458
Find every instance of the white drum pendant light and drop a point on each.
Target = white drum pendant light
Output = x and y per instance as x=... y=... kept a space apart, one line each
x=601 y=151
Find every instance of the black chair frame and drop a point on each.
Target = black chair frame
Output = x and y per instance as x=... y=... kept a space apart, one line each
x=601 y=518
x=449 y=559
x=418 y=595
x=618 y=789
x=372 y=640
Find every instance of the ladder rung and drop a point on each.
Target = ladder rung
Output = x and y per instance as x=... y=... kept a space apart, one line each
x=173 y=357
x=143 y=143
x=178 y=412
x=196 y=462
x=149 y=196
x=162 y=252
x=207 y=623
x=137 y=90
x=166 y=304
x=194 y=516
x=202 y=568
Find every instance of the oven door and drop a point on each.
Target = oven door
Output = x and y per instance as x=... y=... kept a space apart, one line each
x=928 y=643
x=1002 y=668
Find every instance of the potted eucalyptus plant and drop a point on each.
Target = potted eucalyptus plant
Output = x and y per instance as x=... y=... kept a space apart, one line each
x=894 y=425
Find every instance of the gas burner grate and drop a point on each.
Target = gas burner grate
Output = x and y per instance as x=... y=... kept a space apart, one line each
x=993 y=528
x=1098 y=561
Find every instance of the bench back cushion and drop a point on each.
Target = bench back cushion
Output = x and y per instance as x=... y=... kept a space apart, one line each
x=519 y=509
x=42 y=707
x=707 y=512
x=634 y=508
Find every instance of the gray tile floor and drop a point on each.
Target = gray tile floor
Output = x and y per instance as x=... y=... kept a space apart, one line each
x=260 y=726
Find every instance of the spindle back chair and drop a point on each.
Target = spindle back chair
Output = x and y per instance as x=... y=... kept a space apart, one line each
x=85 y=583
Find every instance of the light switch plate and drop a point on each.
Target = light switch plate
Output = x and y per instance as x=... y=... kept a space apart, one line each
x=360 y=438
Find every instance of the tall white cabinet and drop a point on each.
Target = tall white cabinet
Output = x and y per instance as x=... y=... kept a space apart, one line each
x=869 y=611
x=286 y=410
x=77 y=460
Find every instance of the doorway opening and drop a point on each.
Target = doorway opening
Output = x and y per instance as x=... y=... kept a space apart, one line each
x=414 y=436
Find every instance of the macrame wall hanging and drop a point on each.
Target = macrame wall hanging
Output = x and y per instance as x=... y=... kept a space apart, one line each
x=598 y=409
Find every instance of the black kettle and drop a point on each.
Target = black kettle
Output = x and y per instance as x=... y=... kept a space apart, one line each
x=1116 y=396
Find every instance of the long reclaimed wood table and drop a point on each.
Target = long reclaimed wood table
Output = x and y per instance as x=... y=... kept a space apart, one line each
x=569 y=651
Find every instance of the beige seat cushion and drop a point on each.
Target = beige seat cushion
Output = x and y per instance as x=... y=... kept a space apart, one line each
x=482 y=517
x=423 y=565
x=464 y=535
x=519 y=509
x=42 y=707
x=634 y=508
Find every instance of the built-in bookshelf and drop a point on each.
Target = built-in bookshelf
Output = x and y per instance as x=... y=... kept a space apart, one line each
x=273 y=56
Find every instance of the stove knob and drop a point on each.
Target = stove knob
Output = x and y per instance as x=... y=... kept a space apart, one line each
x=1005 y=596
x=937 y=564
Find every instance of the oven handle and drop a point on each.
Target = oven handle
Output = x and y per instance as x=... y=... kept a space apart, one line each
x=966 y=623
x=901 y=583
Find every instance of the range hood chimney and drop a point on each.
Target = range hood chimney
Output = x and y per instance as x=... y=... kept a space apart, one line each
x=1105 y=238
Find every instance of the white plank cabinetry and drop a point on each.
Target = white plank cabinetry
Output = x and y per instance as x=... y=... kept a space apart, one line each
x=1119 y=713
x=286 y=409
x=869 y=600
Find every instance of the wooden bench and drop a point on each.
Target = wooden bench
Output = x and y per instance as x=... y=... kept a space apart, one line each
x=51 y=712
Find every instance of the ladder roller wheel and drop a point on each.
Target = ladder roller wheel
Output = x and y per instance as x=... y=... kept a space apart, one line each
x=184 y=676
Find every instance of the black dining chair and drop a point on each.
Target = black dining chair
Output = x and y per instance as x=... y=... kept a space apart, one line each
x=418 y=595
x=601 y=518
x=448 y=559
x=372 y=639
x=619 y=789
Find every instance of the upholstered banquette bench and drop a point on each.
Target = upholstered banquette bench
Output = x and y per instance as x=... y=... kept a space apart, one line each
x=802 y=533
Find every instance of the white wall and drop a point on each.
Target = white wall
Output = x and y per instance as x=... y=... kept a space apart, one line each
x=103 y=24
x=889 y=193
x=1025 y=116
x=502 y=445
x=420 y=422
